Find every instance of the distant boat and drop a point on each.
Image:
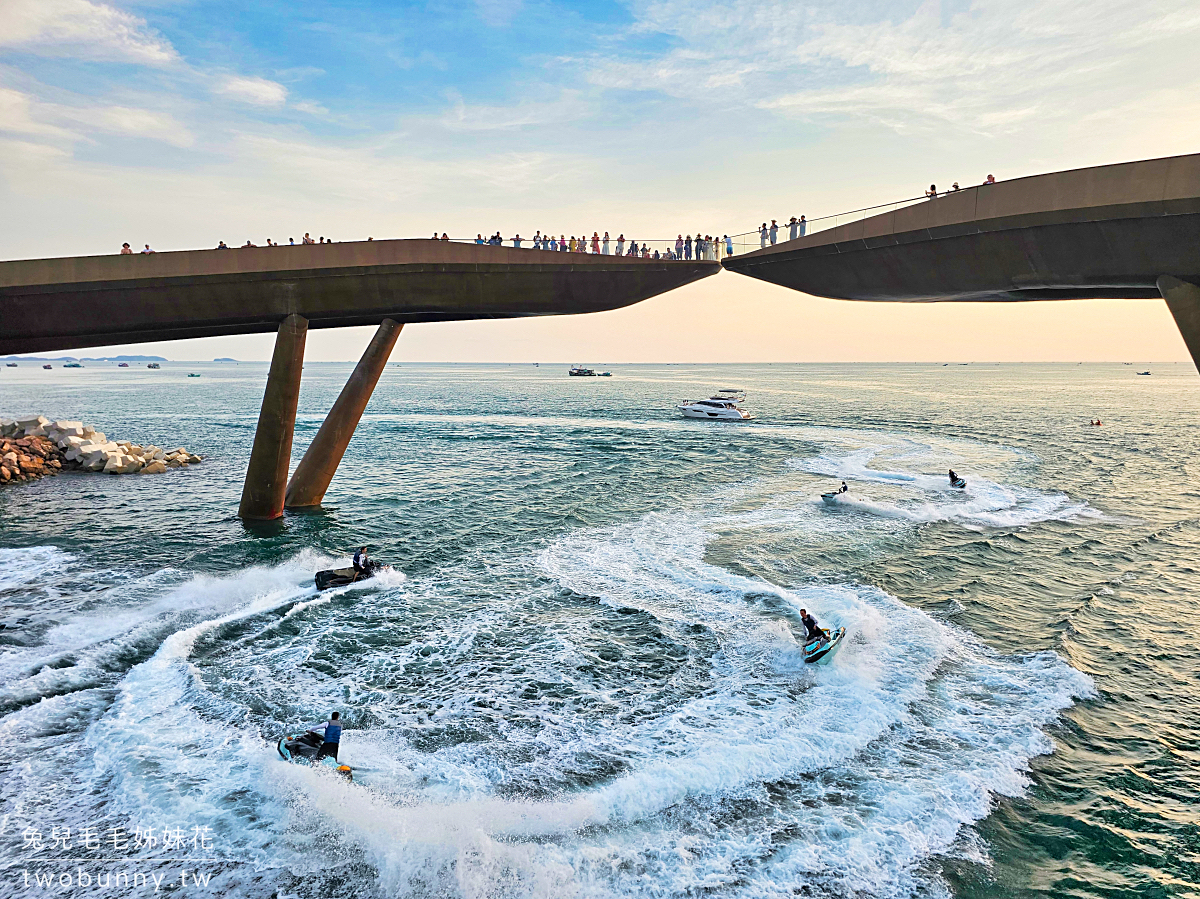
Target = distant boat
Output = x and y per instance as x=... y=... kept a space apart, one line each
x=10 y=365
x=122 y=365
x=192 y=374
x=1143 y=372
x=47 y=366
x=153 y=365
x=72 y=365
x=579 y=371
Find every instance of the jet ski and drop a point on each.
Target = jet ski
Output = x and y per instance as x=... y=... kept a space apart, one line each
x=341 y=577
x=821 y=649
x=959 y=483
x=830 y=498
x=302 y=749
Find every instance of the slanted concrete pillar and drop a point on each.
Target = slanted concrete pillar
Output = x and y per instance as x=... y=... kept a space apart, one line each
x=315 y=471
x=266 y=475
x=1183 y=299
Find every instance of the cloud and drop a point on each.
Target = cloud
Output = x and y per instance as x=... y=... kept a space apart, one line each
x=498 y=13
x=570 y=106
x=24 y=114
x=81 y=29
x=255 y=91
x=988 y=65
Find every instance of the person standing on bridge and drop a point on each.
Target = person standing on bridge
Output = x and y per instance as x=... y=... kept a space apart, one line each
x=991 y=179
x=604 y=244
x=147 y=251
x=793 y=228
x=125 y=251
x=687 y=248
x=763 y=236
x=728 y=245
x=595 y=243
x=620 y=244
x=803 y=226
x=774 y=232
x=932 y=192
x=517 y=241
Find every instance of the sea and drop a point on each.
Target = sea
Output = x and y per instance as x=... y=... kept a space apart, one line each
x=583 y=675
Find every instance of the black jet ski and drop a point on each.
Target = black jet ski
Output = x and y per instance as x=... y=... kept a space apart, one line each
x=303 y=749
x=959 y=483
x=340 y=577
x=822 y=649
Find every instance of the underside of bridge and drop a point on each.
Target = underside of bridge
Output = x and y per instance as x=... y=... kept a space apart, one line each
x=1127 y=231
x=63 y=304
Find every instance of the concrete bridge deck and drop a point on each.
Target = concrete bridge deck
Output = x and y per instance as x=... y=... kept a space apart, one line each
x=1106 y=231
x=62 y=304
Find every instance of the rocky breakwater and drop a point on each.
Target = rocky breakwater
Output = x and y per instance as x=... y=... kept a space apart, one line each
x=31 y=448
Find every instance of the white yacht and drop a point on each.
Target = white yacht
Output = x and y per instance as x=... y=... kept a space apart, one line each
x=723 y=406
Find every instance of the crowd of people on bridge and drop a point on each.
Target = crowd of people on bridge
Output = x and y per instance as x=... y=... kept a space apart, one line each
x=706 y=247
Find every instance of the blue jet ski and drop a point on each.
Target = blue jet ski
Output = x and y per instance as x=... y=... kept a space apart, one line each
x=959 y=483
x=824 y=648
x=303 y=748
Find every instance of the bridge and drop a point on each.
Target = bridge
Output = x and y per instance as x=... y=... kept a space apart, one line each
x=1127 y=231
x=68 y=303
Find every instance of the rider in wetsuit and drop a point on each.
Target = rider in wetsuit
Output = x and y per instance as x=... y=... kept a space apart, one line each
x=953 y=476
x=810 y=624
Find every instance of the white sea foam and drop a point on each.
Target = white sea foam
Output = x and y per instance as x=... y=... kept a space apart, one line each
x=19 y=567
x=846 y=777
x=887 y=753
x=920 y=497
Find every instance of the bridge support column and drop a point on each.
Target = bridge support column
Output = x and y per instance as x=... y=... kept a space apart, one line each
x=266 y=475
x=1183 y=299
x=315 y=471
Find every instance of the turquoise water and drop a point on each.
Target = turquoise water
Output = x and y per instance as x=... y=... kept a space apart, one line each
x=584 y=678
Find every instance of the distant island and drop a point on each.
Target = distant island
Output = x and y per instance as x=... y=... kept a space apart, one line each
x=84 y=359
x=224 y=359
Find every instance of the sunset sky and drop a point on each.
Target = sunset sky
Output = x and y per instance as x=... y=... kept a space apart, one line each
x=183 y=123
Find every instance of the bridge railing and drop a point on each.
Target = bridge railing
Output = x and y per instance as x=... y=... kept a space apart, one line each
x=749 y=241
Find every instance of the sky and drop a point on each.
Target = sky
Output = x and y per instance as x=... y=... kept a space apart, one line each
x=180 y=123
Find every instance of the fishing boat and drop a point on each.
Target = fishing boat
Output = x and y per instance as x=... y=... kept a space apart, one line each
x=579 y=371
x=72 y=365
x=47 y=365
x=10 y=365
x=153 y=365
x=122 y=365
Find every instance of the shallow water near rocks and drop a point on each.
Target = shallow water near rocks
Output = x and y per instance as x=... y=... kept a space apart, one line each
x=585 y=677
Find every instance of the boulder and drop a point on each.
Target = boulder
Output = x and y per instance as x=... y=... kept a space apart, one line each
x=193 y=459
x=5 y=474
x=155 y=468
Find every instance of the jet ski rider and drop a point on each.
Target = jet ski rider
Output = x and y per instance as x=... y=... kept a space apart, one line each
x=332 y=738
x=815 y=632
x=844 y=488
x=362 y=564
x=953 y=476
